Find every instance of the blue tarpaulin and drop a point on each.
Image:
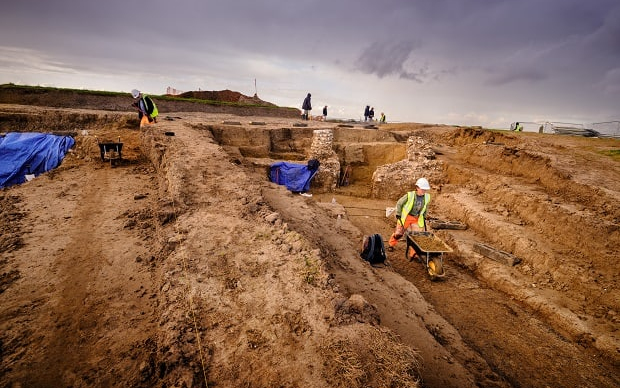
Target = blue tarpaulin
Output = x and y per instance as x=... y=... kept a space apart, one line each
x=30 y=153
x=296 y=177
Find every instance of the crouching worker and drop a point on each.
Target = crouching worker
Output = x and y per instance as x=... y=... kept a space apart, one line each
x=147 y=110
x=410 y=211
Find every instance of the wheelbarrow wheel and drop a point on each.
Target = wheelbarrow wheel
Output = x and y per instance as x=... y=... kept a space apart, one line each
x=435 y=268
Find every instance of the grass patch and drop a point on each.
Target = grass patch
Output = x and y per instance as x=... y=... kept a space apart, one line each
x=312 y=270
x=48 y=89
x=370 y=358
x=614 y=154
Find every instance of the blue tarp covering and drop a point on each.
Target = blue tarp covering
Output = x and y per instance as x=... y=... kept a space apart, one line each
x=296 y=177
x=30 y=153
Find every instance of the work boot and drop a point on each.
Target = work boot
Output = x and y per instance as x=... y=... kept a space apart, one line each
x=411 y=253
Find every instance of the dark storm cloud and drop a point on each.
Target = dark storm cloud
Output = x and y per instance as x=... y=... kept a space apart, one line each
x=385 y=59
x=327 y=31
x=585 y=52
x=525 y=75
x=557 y=39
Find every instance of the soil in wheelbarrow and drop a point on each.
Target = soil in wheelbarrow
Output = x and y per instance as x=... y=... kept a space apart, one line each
x=429 y=243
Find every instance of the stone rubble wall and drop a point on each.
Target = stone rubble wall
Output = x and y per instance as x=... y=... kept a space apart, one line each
x=391 y=181
x=322 y=148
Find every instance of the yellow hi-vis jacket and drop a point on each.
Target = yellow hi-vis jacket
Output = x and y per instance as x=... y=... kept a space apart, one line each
x=409 y=205
x=148 y=106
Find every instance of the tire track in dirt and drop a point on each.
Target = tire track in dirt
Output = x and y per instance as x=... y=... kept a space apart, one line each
x=73 y=341
x=95 y=293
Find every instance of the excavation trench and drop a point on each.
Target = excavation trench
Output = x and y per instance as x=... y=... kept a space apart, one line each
x=511 y=316
x=189 y=261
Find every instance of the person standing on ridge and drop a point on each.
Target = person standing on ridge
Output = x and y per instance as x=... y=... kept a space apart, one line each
x=518 y=127
x=325 y=113
x=410 y=211
x=366 y=113
x=371 y=114
x=147 y=110
x=307 y=107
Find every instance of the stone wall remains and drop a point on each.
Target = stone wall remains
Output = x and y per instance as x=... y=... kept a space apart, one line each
x=322 y=148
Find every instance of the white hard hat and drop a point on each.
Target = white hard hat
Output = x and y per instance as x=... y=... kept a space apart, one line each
x=423 y=184
x=135 y=93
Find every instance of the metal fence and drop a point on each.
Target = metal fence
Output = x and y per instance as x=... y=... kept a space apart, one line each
x=532 y=126
x=607 y=128
x=602 y=129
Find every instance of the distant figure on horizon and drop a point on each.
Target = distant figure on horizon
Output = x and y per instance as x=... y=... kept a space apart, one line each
x=147 y=110
x=325 y=113
x=518 y=127
x=307 y=107
x=366 y=112
x=371 y=114
x=382 y=118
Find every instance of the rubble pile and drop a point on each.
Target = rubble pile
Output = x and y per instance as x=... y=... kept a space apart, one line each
x=393 y=180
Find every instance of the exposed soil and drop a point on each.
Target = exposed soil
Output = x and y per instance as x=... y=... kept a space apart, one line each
x=182 y=265
x=226 y=96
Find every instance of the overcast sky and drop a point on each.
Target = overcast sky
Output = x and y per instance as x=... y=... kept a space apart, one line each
x=468 y=62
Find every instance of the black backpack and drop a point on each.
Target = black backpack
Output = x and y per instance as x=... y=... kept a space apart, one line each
x=313 y=164
x=373 y=250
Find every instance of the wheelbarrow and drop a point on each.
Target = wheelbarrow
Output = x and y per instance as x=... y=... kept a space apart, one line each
x=110 y=150
x=429 y=250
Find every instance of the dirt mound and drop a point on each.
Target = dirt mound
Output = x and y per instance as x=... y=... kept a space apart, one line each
x=225 y=96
